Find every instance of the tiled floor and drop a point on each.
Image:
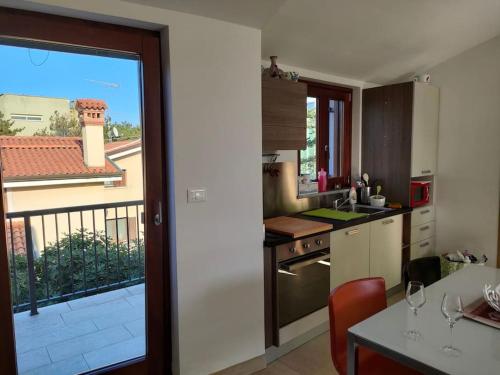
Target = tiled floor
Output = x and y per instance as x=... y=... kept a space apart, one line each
x=83 y=334
x=312 y=358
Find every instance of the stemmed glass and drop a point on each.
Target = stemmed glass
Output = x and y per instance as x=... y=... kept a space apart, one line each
x=452 y=309
x=415 y=297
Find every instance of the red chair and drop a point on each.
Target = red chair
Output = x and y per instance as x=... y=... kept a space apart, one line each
x=349 y=304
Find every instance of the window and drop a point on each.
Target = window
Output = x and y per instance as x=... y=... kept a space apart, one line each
x=120 y=225
x=36 y=118
x=328 y=134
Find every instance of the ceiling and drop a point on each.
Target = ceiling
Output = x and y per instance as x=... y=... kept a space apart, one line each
x=371 y=40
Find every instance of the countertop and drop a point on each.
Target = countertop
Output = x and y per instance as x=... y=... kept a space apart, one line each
x=273 y=239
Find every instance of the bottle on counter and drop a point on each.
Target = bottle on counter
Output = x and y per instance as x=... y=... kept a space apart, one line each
x=322 y=180
x=353 y=196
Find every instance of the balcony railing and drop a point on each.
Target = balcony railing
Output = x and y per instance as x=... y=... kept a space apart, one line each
x=66 y=253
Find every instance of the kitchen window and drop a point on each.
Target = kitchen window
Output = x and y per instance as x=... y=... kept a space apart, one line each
x=329 y=113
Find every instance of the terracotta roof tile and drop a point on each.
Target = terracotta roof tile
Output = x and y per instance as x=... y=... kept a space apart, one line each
x=47 y=157
x=113 y=147
x=91 y=104
x=16 y=237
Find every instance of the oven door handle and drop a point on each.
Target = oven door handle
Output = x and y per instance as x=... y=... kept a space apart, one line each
x=305 y=263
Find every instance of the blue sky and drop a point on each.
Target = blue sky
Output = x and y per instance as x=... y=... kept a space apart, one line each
x=73 y=76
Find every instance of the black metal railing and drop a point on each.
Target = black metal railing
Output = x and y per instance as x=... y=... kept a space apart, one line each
x=60 y=254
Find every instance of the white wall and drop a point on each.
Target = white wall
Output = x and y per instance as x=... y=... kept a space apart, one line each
x=468 y=179
x=357 y=86
x=214 y=73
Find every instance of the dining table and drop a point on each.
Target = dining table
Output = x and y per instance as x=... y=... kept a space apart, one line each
x=479 y=343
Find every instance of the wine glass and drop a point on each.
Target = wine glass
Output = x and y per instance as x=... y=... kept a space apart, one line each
x=452 y=309
x=415 y=297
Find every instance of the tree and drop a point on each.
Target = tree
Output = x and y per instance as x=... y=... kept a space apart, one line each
x=126 y=130
x=62 y=125
x=6 y=126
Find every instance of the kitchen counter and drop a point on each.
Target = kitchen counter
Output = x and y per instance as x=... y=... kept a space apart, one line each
x=273 y=239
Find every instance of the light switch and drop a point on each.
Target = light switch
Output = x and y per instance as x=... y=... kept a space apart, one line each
x=197 y=195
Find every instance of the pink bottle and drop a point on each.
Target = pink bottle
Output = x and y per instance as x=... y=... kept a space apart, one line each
x=322 y=180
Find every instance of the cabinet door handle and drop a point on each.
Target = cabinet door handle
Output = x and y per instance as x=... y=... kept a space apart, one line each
x=424 y=244
x=425 y=228
x=425 y=171
x=424 y=212
x=390 y=221
x=352 y=232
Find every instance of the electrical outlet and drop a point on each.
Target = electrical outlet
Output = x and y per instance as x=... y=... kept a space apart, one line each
x=196 y=195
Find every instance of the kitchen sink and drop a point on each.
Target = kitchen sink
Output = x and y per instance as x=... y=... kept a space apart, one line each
x=364 y=209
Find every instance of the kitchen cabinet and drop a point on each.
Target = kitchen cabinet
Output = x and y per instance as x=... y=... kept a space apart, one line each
x=350 y=254
x=399 y=135
x=424 y=129
x=385 y=249
x=424 y=248
x=284 y=114
x=422 y=232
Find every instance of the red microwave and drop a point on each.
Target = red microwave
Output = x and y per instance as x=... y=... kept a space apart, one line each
x=420 y=193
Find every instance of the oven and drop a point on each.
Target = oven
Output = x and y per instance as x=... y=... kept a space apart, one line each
x=303 y=277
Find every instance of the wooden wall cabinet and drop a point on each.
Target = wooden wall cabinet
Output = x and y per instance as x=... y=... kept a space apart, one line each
x=399 y=136
x=284 y=113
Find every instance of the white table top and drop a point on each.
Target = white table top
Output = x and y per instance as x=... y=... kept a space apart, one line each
x=480 y=344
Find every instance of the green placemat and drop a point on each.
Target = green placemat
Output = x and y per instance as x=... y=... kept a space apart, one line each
x=334 y=214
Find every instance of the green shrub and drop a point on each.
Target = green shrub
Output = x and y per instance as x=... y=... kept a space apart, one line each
x=78 y=264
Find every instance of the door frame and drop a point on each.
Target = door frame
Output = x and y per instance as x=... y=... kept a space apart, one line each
x=64 y=32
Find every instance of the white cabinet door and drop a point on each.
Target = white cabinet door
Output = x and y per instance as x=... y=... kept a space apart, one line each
x=422 y=215
x=421 y=249
x=422 y=232
x=386 y=250
x=349 y=254
x=425 y=129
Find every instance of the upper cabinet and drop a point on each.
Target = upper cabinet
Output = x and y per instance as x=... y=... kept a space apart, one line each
x=425 y=129
x=283 y=114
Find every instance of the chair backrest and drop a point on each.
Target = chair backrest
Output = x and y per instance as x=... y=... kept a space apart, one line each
x=427 y=270
x=349 y=304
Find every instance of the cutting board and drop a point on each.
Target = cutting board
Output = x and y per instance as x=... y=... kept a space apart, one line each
x=293 y=227
x=334 y=214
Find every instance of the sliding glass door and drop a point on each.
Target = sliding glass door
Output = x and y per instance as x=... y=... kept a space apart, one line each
x=83 y=245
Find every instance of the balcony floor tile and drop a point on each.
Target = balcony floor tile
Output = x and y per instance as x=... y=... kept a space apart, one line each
x=76 y=336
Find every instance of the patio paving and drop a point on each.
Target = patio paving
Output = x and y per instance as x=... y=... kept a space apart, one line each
x=84 y=334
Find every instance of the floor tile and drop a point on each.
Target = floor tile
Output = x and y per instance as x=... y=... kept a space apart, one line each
x=87 y=343
x=137 y=289
x=98 y=299
x=70 y=366
x=137 y=300
x=96 y=311
x=52 y=336
x=122 y=351
x=277 y=368
x=136 y=327
x=32 y=359
x=122 y=316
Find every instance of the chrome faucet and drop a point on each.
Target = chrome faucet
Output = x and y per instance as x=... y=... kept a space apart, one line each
x=337 y=203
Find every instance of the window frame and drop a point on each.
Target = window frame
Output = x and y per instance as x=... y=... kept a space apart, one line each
x=324 y=93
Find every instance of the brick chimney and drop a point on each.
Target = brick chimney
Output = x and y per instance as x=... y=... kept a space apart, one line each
x=91 y=116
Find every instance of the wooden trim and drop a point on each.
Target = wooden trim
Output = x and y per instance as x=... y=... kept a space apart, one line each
x=7 y=348
x=327 y=92
x=63 y=33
